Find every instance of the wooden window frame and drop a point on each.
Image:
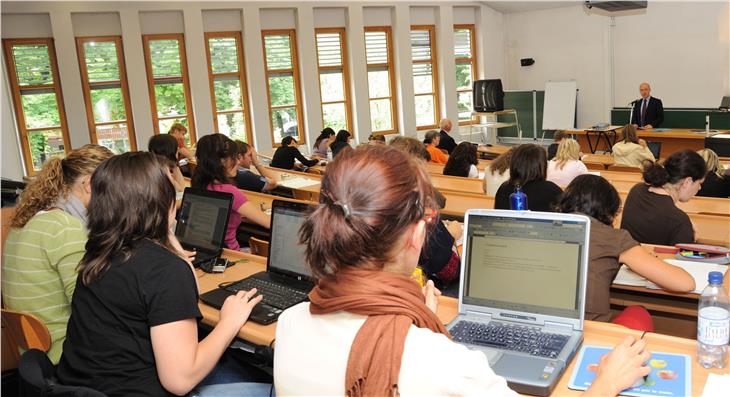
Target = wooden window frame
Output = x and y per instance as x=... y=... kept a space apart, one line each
x=151 y=81
x=434 y=74
x=301 y=131
x=345 y=75
x=473 y=61
x=390 y=66
x=123 y=85
x=241 y=74
x=23 y=131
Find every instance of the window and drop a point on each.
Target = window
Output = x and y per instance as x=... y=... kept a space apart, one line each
x=106 y=94
x=228 y=85
x=333 y=78
x=381 y=80
x=425 y=79
x=167 y=78
x=466 y=66
x=33 y=75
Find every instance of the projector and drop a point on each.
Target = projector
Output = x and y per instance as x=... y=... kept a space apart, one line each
x=614 y=6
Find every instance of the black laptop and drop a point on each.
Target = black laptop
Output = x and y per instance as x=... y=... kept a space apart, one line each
x=201 y=223
x=287 y=279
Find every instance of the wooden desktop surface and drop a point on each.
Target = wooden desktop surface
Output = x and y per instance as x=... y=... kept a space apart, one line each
x=595 y=333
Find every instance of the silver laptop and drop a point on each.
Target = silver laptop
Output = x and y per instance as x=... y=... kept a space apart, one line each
x=522 y=293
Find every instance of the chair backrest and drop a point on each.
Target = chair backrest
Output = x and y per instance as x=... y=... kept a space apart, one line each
x=36 y=379
x=6 y=215
x=258 y=247
x=21 y=331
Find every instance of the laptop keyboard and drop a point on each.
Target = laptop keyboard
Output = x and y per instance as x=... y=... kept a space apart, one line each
x=275 y=294
x=519 y=338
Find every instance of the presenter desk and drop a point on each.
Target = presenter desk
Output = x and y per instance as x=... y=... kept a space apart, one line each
x=673 y=140
x=595 y=333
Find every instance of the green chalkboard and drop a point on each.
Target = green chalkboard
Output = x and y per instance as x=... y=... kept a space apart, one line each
x=522 y=102
x=680 y=118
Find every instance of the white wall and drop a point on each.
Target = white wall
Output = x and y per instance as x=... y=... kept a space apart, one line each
x=65 y=20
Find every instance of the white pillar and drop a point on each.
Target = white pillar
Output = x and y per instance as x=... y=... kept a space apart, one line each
x=253 y=58
x=447 y=64
x=404 y=70
x=308 y=74
x=70 y=76
x=139 y=95
x=198 y=71
x=357 y=64
x=12 y=163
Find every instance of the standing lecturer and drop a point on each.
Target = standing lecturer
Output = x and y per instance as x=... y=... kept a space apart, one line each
x=648 y=111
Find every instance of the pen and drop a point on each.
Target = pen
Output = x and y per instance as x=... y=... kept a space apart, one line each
x=642 y=337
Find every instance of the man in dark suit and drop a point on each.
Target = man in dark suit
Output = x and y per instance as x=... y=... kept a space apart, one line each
x=447 y=142
x=648 y=111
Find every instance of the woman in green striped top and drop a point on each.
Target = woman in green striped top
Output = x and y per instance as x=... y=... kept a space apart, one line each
x=46 y=241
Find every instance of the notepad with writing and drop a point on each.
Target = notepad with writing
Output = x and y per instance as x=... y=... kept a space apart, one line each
x=670 y=375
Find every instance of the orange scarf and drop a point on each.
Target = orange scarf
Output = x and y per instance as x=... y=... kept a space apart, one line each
x=392 y=303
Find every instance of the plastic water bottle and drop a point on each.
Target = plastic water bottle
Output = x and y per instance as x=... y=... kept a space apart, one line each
x=713 y=324
x=518 y=199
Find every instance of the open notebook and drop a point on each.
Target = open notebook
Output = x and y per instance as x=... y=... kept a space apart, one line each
x=698 y=271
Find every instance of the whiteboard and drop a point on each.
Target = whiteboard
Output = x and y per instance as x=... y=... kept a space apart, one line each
x=559 y=109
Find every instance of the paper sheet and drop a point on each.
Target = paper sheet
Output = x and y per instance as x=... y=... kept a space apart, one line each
x=698 y=271
x=716 y=385
x=298 y=183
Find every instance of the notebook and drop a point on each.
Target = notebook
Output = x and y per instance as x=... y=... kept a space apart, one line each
x=698 y=271
x=522 y=293
x=202 y=221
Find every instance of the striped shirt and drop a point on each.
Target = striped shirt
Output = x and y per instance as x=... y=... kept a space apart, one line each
x=39 y=270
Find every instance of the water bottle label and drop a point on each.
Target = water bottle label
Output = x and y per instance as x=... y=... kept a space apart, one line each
x=713 y=326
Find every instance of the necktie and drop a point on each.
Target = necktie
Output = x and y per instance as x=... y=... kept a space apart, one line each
x=643 y=112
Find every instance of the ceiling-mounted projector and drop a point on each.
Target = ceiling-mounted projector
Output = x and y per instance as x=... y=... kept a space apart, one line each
x=614 y=6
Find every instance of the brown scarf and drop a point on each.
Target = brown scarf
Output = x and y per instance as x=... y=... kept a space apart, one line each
x=392 y=303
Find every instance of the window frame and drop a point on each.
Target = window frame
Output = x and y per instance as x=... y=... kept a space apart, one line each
x=473 y=60
x=123 y=85
x=241 y=74
x=301 y=130
x=23 y=131
x=345 y=75
x=434 y=74
x=151 y=81
x=390 y=66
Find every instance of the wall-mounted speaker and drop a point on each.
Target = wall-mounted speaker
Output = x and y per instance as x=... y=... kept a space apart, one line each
x=527 y=61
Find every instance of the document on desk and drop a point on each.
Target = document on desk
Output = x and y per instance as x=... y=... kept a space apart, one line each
x=716 y=385
x=698 y=271
x=298 y=183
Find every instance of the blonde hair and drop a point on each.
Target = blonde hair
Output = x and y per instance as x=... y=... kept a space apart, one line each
x=176 y=127
x=629 y=134
x=568 y=149
x=55 y=180
x=712 y=161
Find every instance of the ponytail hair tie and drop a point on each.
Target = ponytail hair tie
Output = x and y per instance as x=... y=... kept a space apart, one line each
x=345 y=208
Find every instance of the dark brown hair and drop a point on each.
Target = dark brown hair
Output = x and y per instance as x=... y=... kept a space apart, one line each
x=165 y=146
x=591 y=195
x=629 y=134
x=529 y=163
x=676 y=167
x=369 y=196
x=212 y=150
x=122 y=214
x=559 y=135
x=241 y=147
x=461 y=160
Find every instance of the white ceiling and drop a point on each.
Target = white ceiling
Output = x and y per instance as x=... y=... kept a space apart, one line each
x=521 y=6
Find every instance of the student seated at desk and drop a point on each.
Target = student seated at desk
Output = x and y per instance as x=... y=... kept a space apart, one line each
x=322 y=143
x=342 y=142
x=245 y=178
x=178 y=131
x=716 y=184
x=216 y=170
x=650 y=213
x=497 y=172
x=285 y=155
x=463 y=161
x=566 y=165
x=528 y=169
x=46 y=241
x=133 y=328
x=376 y=139
x=431 y=140
x=370 y=329
x=631 y=151
x=552 y=150
x=165 y=146
x=595 y=197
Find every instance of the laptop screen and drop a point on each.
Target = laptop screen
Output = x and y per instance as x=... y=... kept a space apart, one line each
x=203 y=219
x=285 y=252
x=527 y=265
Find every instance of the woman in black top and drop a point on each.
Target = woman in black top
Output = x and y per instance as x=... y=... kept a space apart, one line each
x=716 y=183
x=528 y=169
x=286 y=153
x=341 y=142
x=133 y=328
x=463 y=161
x=650 y=213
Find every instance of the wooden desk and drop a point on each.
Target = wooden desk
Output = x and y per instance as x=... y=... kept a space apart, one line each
x=458 y=184
x=595 y=333
x=674 y=140
x=310 y=193
x=491 y=152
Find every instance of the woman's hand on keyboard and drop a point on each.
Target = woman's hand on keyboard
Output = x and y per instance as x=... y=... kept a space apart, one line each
x=237 y=308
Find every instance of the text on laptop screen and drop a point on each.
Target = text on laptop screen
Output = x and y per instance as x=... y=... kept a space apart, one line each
x=286 y=253
x=527 y=265
x=202 y=222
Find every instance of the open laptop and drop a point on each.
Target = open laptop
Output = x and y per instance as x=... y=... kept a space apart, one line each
x=201 y=223
x=522 y=293
x=287 y=279
x=725 y=103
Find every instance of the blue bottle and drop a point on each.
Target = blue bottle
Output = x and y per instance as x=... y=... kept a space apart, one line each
x=518 y=199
